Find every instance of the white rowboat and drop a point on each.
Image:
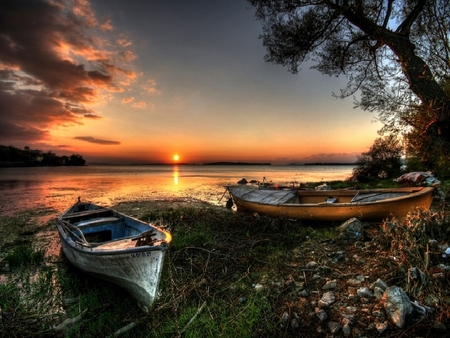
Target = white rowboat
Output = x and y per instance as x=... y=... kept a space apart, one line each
x=117 y=248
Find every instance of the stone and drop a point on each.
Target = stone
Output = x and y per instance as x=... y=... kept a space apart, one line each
x=330 y=285
x=303 y=293
x=351 y=228
x=381 y=327
x=333 y=327
x=365 y=292
x=321 y=314
x=379 y=283
x=327 y=299
x=312 y=265
x=397 y=305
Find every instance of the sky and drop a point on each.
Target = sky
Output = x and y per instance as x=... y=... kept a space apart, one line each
x=139 y=81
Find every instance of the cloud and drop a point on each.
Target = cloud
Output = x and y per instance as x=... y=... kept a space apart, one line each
x=128 y=56
x=55 y=65
x=106 y=26
x=150 y=87
x=91 y=139
x=124 y=42
x=128 y=99
x=139 y=104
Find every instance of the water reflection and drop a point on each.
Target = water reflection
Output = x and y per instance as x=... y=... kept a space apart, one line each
x=59 y=187
x=175 y=175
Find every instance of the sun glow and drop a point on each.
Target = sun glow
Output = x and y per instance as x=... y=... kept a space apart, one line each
x=176 y=157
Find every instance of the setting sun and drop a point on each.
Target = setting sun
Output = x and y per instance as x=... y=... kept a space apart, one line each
x=176 y=157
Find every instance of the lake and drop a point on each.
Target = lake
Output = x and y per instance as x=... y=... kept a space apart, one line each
x=59 y=187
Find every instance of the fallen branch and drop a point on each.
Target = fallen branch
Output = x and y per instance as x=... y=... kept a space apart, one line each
x=193 y=318
x=124 y=329
x=69 y=322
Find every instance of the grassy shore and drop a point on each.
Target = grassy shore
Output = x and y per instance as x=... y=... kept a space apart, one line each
x=226 y=274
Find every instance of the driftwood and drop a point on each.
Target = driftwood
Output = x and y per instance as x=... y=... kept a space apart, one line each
x=69 y=322
x=124 y=329
x=193 y=318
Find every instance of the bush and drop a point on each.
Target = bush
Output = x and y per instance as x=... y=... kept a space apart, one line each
x=383 y=160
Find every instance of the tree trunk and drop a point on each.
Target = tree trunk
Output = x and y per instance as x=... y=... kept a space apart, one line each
x=419 y=76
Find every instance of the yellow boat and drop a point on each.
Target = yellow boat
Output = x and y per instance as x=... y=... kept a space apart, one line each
x=332 y=205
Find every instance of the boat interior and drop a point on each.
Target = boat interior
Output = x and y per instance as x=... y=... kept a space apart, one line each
x=279 y=197
x=344 y=196
x=100 y=225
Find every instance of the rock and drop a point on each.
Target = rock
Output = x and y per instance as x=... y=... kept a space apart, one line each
x=258 y=287
x=295 y=324
x=379 y=283
x=285 y=318
x=365 y=292
x=321 y=314
x=352 y=228
x=350 y=310
x=336 y=256
x=303 y=293
x=381 y=327
x=312 y=265
x=327 y=299
x=330 y=285
x=334 y=327
x=346 y=330
x=356 y=281
x=242 y=181
x=440 y=326
x=431 y=300
x=397 y=305
x=323 y=187
x=378 y=292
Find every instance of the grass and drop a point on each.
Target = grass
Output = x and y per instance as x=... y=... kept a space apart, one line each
x=207 y=289
x=225 y=275
x=24 y=254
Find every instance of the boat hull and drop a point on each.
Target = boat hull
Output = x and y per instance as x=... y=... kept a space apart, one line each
x=374 y=210
x=137 y=269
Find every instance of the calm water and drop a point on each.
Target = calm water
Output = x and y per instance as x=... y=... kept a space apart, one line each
x=59 y=187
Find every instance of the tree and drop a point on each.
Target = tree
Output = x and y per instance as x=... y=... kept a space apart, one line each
x=383 y=160
x=395 y=52
x=76 y=159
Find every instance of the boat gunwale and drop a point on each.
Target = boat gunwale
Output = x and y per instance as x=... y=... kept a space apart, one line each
x=80 y=247
x=413 y=194
x=91 y=249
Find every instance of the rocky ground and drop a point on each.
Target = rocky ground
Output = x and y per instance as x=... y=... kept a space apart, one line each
x=366 y=281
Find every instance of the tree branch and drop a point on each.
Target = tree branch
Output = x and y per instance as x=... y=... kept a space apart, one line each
x=388 y=13
x=405 y=26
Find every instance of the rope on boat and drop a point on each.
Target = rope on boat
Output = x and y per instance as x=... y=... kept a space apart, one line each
x=145 y=238
x=70 y=228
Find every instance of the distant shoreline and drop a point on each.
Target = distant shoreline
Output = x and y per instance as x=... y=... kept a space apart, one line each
x=23 y=165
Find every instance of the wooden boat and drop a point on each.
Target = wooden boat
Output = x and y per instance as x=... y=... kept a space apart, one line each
x=115 y=247
x=332 y=205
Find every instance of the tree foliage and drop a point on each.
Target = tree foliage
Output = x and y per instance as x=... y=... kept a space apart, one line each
x=396 y=53
x=383 y=160
x=12 y=157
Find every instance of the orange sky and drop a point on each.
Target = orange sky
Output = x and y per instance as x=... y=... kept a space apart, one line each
x=137 y=82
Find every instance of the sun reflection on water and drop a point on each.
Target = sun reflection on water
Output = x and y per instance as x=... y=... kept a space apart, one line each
x=175 y=175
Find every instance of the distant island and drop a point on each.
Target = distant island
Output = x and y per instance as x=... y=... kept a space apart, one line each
x=14 y=157
x=236 y=163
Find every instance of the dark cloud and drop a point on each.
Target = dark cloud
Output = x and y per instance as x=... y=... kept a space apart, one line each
x=51 y=66
x=91 y=139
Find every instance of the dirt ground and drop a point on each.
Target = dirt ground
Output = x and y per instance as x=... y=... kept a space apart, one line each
x=345 y=266
x=342 y=266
